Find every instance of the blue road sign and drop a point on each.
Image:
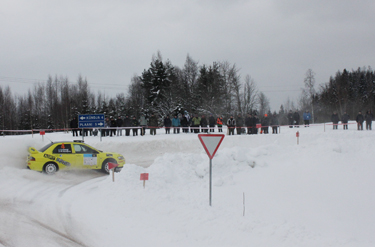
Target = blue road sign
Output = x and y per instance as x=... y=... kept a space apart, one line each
x=91 y=121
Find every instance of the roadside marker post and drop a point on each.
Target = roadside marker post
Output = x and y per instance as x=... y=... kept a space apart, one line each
x=42 y=133
x=211 y=143
x=144 y=177
x=297 y=135
x=112 y=166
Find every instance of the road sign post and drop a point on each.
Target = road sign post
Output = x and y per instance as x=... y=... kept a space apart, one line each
x=211 y=143
x=88 y=121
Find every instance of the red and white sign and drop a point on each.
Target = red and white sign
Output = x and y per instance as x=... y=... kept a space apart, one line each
x=144 y=176
x=211 y=143
x=112 y=165
x=42 y=133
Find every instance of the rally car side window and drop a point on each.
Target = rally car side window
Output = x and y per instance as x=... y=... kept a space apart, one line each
x=63 y=149
x=81 y=149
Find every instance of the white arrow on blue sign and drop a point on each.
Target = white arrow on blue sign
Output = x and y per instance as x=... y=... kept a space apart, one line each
x=91 y=121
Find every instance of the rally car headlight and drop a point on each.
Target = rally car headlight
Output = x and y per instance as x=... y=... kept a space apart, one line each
x=121 y=158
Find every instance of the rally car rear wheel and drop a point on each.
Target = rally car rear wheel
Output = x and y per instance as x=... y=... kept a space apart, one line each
x=50 y=168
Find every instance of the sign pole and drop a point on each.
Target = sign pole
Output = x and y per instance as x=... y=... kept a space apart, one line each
x=210 y=182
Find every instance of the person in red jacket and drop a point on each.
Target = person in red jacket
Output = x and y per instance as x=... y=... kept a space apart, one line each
x=219 y=122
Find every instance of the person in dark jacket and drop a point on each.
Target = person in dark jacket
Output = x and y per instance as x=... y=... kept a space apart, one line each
x=335 y=120
x=211 y=123
x=167 y=124
x=296 y=118
x=184 y=124
x=135 y=125
x=359 y=119
x=368 y=118
x=119 y=123
x=74 y=126
x=153 y=124
x=265 y=124
x=127 y=124
x=204 y=124
x=274 y=123
x=254 y=123
x=344 y=120
x=231 y=123
x=113 y=126
x=239 y=124
x=290 y=119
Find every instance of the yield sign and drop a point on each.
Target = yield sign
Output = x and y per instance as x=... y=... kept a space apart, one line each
x=211 y=143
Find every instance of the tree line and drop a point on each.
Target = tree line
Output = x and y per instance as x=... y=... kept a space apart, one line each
x=165 y=89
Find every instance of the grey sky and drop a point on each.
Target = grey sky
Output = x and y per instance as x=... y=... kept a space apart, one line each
x=275 y=42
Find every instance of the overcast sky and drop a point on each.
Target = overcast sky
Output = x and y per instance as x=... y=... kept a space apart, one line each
x=108 y=42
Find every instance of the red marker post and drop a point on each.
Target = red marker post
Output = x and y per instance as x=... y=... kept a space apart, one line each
x=297 y=135
x=112 y=166
x=144 y=177
x=42 y=133
x=211 y=143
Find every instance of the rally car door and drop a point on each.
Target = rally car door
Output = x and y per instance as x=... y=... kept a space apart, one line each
x=86 y=155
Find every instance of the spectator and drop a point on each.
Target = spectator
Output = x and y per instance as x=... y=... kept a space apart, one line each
x=239 y=124
x=359 y=119
x=176 y=124
x=231 y=123
x=184 y=124
x=306 y=118
x=274 y=123
x=335 y=120
x=290 y=119
x=368 y=118
x=113 y=126
x=143 y=123
x=219 y=122
x=127 y=124
x=211 y=123
x=167 y=124
x=265 y=124
x=74 y=126
x=255 y=121
x=248 y=121
x=153 y=124
x=135 y=125
x=204 y=124
x=195 y=123
x=296 y=118
x=119 y=124
x=344 y=119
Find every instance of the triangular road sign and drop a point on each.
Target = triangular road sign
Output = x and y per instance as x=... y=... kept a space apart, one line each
x=211 y=143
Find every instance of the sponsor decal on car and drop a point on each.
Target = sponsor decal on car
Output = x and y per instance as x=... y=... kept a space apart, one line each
x=65 y=163
x=48 y=156
x=90 y=160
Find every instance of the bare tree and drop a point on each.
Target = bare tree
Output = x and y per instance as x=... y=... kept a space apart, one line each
x=264 y=103
x=309 y=90
x=250 y=92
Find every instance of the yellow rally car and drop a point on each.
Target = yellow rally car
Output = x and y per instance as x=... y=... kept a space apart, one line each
x=68 y=155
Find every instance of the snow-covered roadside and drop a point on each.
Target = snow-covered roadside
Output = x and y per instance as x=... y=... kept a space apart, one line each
x=318 y=193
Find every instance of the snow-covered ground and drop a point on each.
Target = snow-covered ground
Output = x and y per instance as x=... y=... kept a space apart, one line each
x=317 y=193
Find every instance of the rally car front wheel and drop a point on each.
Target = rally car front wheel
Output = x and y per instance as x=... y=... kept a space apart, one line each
x=50 y=168
x=105 y=165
